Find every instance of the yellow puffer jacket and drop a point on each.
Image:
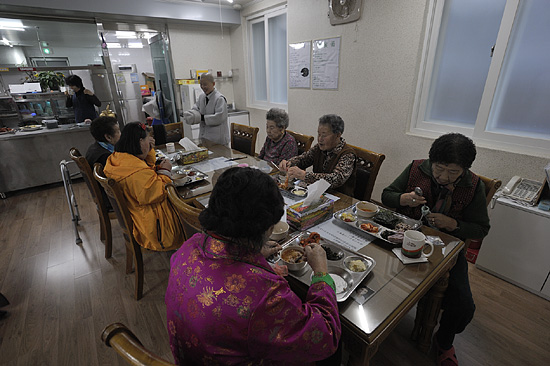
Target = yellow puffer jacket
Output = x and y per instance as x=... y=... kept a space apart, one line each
x=156 y=224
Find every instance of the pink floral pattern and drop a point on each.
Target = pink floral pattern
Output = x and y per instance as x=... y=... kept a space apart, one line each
x=226 y=312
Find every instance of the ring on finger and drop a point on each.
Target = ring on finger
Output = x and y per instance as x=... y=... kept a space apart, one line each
x=414 y=200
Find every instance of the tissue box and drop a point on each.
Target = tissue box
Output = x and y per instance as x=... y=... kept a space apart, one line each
x=303 y=217
x=190 y=157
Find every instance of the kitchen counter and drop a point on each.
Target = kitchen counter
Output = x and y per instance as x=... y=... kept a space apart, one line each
x=30 y=159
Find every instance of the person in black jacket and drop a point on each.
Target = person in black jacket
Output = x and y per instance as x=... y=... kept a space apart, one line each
x=106 y=133
x=83 y=100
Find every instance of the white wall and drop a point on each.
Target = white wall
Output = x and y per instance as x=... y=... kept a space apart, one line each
x=379 y=63
x=201 y=47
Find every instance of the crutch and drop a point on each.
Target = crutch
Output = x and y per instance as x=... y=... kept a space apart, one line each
x=71 y=199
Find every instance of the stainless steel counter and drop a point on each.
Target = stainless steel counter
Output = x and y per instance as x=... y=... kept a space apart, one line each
x=30 y=159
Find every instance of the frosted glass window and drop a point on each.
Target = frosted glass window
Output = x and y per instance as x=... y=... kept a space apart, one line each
x=277 y=59
x=468 y=30
x=521 y=104
x=259 y=61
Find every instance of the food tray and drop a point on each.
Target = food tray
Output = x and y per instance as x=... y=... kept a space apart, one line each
x=184 y=175
x=382 y=230
x=7 y=132
x=31 y=128
x=335 y=267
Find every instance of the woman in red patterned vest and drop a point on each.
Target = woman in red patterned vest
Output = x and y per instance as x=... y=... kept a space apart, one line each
x=456 y=198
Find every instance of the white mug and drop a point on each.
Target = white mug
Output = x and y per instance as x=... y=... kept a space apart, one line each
x=414 y=243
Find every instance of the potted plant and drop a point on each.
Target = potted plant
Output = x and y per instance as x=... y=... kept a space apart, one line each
x=50 y=80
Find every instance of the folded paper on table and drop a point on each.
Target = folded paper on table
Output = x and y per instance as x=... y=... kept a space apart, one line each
x=188 y=145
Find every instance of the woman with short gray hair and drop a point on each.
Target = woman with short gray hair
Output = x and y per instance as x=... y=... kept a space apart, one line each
x=279 y=145
x=332 y=159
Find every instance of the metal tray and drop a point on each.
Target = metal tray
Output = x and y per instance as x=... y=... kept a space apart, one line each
x=184 y=175
x=336 y=267
x=382 y=230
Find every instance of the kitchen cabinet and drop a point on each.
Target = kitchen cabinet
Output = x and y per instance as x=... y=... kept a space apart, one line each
x=517 y=248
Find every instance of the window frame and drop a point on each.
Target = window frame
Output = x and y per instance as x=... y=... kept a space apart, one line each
x=250 y=20
x=499 y=140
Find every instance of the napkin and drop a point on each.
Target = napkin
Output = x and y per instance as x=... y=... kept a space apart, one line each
x=315 y=191
x=188 y=145
x=192 y=117
x=407 y=260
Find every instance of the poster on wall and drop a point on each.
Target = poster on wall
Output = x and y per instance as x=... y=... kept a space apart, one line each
x=326 y=55
x=299 y=65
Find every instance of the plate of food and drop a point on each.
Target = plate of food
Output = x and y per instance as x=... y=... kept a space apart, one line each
x=6 y=130
x=31 y=128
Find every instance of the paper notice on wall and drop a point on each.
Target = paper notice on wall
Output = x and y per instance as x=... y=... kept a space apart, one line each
x=299 y=65
x=326 y=56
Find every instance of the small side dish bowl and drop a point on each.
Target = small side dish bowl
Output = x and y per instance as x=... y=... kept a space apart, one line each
x=280 y=230
x=294 y=257
x=299 y=192
x=366 y=209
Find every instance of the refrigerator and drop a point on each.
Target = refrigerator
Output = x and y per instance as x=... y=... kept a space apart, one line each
x=189 y=96
x=128 y=91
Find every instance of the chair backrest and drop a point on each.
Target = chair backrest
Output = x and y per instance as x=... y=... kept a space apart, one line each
x=243 y=138
x=118 y=201
x=188 y=214
x=174 y=131
x=128 y=346
x=88 y=176
x=304 y=141
x=367 y=167
x=491 y=186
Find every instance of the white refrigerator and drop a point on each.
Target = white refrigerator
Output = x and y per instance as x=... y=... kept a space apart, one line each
x=189 y=94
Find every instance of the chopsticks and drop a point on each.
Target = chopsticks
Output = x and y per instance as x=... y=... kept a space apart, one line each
x=237 y=158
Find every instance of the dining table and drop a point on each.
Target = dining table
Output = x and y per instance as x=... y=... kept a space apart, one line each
x=394 y=287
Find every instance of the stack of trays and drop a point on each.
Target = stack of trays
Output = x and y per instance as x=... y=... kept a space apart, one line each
x=341 y=261
x=400 y=223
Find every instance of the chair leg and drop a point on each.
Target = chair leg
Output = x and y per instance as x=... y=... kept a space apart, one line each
x=129 y=258
x=106 y=235
x=139 y=273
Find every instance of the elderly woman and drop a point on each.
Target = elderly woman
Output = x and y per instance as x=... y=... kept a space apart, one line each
x=332 y=159
x=279 y=145
x=225 y=304
x=456 y=198
x=132 y=166
x=106 y=133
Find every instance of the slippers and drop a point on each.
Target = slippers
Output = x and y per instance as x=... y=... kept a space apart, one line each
x=445 y=357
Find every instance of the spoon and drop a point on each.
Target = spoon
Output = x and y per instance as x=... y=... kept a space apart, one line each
x=425 y=210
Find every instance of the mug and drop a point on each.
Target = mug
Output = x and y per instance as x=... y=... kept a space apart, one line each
x=170 y=147
x=414 y=243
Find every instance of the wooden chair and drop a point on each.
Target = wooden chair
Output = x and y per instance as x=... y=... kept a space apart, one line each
x=174 y=131
x=133 y=249
x=189 y=211
x=367 y=167
x=243 y=138
x=97 y=195
x=128 y=346
x=304 y=141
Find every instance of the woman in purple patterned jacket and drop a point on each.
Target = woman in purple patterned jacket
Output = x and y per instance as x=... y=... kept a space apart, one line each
x=279 y=145
x=225 y=304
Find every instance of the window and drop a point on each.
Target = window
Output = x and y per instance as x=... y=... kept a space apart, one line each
x=485 y=73
x=268 y=59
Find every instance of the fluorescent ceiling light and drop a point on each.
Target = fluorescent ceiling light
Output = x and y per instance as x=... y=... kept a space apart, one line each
x=126 y=35
x=12 y=28
x=114 y=45
x=230 y=1
x=135 y=45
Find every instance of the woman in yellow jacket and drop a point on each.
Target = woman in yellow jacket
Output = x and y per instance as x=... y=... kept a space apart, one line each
x=132 y=166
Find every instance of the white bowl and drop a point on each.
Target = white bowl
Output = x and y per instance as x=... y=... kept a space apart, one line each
x=280 y=230
x=366 y=209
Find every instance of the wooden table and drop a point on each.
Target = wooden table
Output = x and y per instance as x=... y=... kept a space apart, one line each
x=397 y=287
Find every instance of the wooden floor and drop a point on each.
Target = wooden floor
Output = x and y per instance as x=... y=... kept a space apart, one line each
x=62 y=295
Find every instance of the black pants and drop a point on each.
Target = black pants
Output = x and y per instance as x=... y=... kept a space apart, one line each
x=458 y=304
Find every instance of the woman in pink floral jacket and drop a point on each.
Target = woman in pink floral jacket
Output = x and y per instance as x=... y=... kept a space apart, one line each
x=226 y=306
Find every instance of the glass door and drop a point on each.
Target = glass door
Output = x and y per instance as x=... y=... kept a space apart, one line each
x=164 y=80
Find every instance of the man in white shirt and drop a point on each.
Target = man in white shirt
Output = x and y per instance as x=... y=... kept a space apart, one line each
x=212 y=106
